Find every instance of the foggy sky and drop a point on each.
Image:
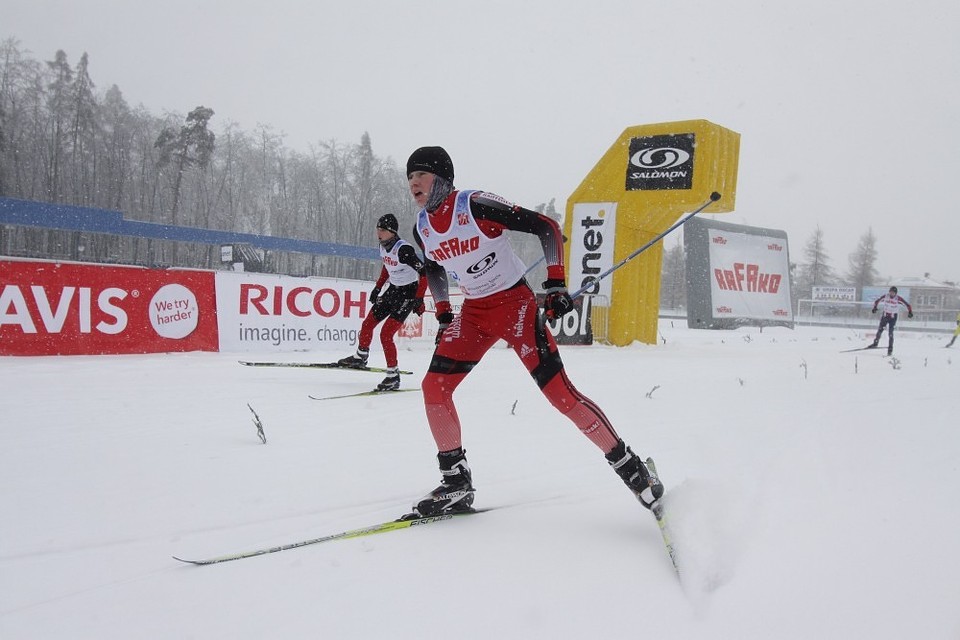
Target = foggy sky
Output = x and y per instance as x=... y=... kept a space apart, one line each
x=847 y=111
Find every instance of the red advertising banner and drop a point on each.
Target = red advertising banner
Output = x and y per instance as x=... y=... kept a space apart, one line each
x=50 y=308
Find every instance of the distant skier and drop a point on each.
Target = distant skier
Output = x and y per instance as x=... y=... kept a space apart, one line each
x=890 y=306
x=464 y=237
x=956 y=332
x=404 y=271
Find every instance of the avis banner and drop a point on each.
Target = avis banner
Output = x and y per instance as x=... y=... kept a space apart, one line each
x=50 y=308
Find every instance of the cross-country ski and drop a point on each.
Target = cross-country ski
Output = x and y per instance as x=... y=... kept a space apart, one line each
x=362 y=394
x=320 y=365
x=663 y=522
x=404 y=522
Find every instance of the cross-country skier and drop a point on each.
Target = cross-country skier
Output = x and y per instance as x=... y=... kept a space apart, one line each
x=956 y=332
x=462 y=234
x=404 y=271
x=890 y=306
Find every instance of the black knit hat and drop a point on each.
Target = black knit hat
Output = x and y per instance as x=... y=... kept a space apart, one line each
x=433 y=160
x=388 y=222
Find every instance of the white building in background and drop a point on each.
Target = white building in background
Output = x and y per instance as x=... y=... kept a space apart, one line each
x=931 y=300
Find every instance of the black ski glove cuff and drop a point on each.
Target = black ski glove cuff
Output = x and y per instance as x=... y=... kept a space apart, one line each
x=557 y=301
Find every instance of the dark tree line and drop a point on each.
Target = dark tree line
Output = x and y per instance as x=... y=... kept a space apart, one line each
x=64 y=142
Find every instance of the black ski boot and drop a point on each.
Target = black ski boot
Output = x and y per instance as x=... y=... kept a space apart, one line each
x=455 y=493
x=391 y=382
x=358 y=361
x=635 y=475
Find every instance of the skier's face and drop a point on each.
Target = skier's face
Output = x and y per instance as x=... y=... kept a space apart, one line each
x=420 y=183
x=384 y=236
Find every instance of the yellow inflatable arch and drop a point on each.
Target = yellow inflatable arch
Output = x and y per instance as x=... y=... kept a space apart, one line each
x=652 y=175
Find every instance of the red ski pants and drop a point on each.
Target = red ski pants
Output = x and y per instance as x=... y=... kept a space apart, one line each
x=512 y=316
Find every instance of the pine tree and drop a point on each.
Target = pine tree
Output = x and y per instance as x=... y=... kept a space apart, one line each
x=58 y=104
x=673 y=281
x=83 y=134
x=863 y=272
x=191 y=146
x=816 y=270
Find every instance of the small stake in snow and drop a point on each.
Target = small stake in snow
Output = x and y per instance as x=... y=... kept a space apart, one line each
x=513 y=409
x=650 y=393
x=259 y=425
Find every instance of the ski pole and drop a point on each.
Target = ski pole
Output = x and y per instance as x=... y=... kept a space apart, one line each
x=542 y=259
x=595 y=279
x=534 y=265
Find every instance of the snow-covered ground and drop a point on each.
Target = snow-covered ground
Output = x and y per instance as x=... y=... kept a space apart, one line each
x=813 y=494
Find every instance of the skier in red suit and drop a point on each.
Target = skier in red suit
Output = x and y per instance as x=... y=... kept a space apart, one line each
x=402 y=270
x=462 y=237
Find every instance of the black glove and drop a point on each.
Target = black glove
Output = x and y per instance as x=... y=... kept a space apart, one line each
x=444 y=314
x=909 y=314
x=874 y=310
x=418 y=306
x=558 y=302
x=374 y=295
x=444 y=319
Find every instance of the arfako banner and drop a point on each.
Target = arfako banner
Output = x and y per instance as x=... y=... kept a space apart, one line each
x=51 y=308
x=751 y=276
x=736 y=275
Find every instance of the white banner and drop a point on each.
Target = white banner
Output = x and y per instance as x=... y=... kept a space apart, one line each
x=834 y=294
x=275 y=313
x=750 y=276
x=270 y=313
x=591 y=245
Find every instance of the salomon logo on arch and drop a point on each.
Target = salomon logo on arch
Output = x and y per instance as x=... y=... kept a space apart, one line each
x=661 y=162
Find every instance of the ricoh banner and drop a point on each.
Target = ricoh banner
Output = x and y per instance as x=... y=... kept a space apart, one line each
x=591 y=242
x=736 y=275
x=270 y=313
x=276 y=313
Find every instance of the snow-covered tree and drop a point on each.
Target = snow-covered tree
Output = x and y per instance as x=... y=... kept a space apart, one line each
x=862 y=270
x=815 y=269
